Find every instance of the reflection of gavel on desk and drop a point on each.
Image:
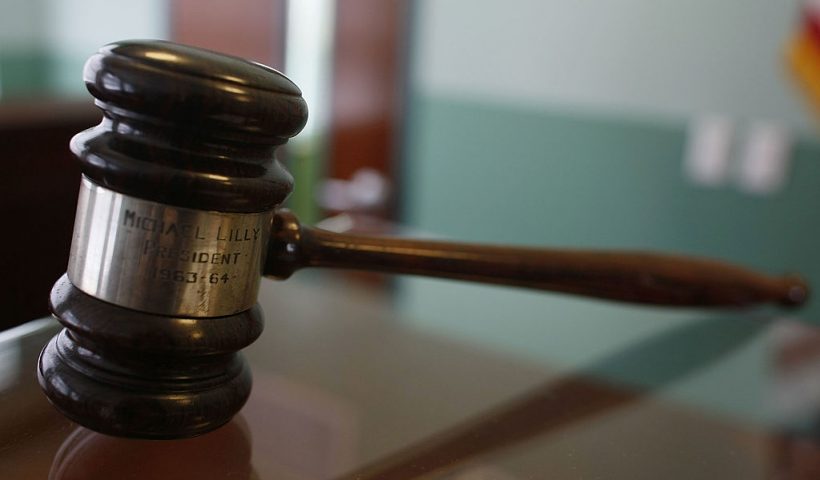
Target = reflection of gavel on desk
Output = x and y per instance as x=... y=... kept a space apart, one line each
x=177 y=222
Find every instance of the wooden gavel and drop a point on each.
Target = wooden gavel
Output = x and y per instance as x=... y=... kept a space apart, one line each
x=178 y=220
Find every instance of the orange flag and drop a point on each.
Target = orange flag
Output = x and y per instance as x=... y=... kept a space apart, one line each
x=803 y=53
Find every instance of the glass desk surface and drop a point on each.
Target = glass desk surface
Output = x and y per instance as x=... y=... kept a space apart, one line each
x=344 y=389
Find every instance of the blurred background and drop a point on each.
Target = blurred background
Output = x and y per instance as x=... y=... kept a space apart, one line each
x=663 y=125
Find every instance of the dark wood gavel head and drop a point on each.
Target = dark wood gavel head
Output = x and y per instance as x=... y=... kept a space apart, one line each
x=178 y=189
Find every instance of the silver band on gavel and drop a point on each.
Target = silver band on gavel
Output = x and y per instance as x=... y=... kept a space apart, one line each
x=162 y=259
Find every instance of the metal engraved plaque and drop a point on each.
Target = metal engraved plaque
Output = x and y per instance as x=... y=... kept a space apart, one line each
x=163 y=259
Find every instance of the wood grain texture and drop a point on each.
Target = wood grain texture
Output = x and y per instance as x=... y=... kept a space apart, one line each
x=563 y=403
x=636 y=277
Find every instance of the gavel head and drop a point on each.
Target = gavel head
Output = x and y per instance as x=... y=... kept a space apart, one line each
x=176 y=200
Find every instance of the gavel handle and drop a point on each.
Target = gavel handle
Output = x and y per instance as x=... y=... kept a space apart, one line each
x=637 y=277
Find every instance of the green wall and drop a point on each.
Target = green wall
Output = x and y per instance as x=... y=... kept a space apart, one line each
x=500 y=173
x=494 y=173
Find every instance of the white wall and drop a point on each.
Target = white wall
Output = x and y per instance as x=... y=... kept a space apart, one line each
x=80 y=27
x=20 y=23
x=75 y=29
x=669 y=57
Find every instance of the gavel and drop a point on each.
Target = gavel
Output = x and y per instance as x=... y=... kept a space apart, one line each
x=179 y=218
